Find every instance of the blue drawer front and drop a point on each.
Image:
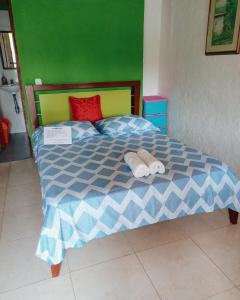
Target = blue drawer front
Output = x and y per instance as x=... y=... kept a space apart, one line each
x=155 y=107
x=164 y=130
x=158 y=121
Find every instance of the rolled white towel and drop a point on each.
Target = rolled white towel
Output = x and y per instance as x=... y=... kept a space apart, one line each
x=154 y=165
x=137 y=166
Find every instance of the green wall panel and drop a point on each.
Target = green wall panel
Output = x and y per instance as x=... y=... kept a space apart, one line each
x=78 y=41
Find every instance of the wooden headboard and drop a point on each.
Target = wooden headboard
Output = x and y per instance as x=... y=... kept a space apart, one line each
x=32 y=92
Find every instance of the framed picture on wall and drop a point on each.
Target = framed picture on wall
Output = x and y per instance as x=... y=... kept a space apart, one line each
x=223 y=35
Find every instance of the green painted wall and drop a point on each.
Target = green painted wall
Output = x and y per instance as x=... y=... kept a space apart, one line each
x=79 y=40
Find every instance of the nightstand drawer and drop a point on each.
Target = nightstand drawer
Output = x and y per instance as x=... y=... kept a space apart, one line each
x=157 y=120
x=164 y=130
x=155 y=107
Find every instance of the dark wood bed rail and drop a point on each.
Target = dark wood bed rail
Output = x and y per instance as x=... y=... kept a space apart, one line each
x=31 y=89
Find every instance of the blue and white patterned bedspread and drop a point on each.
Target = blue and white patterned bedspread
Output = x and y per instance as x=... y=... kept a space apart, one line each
x=89 y=192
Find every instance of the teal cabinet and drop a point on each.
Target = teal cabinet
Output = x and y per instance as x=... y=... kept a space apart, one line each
x=155 y=110
x=154 y=107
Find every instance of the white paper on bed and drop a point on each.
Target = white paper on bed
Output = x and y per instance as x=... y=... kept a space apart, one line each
x=137 y=166
x=154 y=165
x=57 y=135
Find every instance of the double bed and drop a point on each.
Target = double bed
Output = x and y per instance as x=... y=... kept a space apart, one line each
x=89 y=192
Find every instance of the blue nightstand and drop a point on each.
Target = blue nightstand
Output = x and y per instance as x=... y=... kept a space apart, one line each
x=155 y=110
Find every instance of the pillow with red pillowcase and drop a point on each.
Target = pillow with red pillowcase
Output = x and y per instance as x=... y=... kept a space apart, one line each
x=86 y=109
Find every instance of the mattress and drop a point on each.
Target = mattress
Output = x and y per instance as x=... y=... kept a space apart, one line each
x=89 y=192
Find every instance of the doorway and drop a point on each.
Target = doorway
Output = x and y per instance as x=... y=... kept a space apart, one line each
x=14 y=142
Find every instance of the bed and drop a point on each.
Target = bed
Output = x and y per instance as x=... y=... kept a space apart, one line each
x=89 y=192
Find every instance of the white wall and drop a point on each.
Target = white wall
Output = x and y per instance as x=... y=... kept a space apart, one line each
x=152 y=22
x=204 y=90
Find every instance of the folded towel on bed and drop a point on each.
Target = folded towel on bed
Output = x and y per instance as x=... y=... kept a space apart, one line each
x=154 y=165
x=137 y=166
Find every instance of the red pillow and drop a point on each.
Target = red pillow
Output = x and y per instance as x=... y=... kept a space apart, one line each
x=86 y=109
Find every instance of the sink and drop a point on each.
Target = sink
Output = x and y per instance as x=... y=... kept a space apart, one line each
x=10 y=88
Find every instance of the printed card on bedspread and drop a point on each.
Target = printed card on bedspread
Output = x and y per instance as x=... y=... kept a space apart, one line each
x=89 y=192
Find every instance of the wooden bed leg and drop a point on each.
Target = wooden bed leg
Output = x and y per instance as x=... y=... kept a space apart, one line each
x=55 y=269
x=233 y=216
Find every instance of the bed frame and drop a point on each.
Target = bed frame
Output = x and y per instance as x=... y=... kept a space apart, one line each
x=233 y=216
x=135 y=86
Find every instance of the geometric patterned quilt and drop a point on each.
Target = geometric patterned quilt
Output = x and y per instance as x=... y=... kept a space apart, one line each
x=89 y=192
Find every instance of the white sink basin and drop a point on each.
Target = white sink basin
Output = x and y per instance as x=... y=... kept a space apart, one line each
x=10 y=88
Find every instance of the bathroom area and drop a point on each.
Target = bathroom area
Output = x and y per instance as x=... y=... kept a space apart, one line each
x=14 y=143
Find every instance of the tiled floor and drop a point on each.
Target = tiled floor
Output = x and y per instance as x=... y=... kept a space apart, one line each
x=17 y=149
x=192 y=258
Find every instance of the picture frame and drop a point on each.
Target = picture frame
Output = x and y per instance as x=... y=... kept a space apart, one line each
x=223 y=33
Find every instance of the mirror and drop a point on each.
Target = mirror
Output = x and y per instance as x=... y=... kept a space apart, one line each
x=7 y=50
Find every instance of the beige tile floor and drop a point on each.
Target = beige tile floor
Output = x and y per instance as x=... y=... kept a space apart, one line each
x=193 y=258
